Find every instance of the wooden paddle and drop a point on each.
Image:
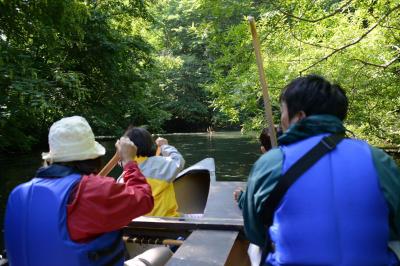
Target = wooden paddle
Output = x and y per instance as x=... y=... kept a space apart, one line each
x=267 y=103
x=110 y=165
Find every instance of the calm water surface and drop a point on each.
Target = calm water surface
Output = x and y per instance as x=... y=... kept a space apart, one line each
x=234 y=155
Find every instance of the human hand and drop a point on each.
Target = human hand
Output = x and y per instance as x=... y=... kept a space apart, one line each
x=237 y=192
x=161 y=141
x=126 y=149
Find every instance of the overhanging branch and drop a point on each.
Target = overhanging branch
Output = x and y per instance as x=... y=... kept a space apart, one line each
x=352 y=43
x=340 y=9
x=384 y=66
x=309 y=43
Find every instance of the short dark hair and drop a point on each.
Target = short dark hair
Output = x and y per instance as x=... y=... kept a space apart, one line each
x=143 y=141
x=314 y=95
x=265 y=140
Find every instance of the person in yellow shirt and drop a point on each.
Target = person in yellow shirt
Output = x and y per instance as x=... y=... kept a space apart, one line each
x=160 y=171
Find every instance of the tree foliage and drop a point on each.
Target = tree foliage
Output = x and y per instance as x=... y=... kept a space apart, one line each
x=61 y=58
x=354 y=43
x=183 y=65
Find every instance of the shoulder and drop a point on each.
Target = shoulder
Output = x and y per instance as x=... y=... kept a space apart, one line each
x=272 y=155
x=24 y=188
x=269 y=160
x=94 y=182
x=383 y=161
x=159 y=167
x=19 y=191
x=379 y=154
x=268 y=165
x=154 y=161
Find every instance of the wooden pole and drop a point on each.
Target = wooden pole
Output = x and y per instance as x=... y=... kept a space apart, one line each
x=264 y=86
x=110 y=165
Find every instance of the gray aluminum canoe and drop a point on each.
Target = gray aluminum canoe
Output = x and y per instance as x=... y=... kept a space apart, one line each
x=212 y=230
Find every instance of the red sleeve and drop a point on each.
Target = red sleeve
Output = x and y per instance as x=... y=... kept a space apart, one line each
x=102 y=205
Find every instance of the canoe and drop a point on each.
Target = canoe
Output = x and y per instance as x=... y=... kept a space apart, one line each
x=210 y=231
x=192 y=186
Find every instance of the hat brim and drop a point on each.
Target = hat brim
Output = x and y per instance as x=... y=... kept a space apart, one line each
x=97 y=151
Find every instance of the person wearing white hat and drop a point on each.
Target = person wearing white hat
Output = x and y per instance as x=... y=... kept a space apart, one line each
x=67 y=215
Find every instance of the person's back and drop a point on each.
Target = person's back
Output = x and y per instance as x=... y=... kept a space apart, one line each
x=160 y=171
x=342 y=210
x=67 y=215
x=335 y=213
x=36 y=231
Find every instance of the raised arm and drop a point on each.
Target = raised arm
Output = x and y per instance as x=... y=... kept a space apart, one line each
x=101 y=205
x=173 y=156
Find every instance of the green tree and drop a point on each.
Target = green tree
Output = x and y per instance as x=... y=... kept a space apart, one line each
x=355 y=43
x=183 y=64
x=61 y=58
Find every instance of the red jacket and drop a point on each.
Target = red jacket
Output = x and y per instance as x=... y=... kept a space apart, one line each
x=99 y=204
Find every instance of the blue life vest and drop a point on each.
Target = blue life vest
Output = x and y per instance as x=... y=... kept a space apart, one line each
x=335 y=213
x=36 y=228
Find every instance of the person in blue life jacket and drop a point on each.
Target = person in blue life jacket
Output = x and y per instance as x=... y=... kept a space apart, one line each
x=344 y=209
x=67 y=214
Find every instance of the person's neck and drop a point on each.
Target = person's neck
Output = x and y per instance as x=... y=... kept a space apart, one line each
x=311 y=126
x=54 y=171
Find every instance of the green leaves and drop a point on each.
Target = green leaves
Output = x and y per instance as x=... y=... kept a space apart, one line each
x=61 y=58
x=190 y=62
x=354 y=43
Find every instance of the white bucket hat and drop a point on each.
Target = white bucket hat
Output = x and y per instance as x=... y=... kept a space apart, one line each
x=72 y=139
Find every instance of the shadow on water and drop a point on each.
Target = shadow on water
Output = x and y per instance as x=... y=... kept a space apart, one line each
x=234 y=155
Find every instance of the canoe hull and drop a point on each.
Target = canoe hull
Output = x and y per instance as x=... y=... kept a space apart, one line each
x=215 y=237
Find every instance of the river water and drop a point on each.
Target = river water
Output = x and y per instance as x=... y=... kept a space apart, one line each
x=233 y=152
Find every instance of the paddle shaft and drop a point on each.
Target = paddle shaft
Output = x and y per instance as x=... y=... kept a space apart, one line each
x=170 y=242
x=110 y=165
x=263 y=81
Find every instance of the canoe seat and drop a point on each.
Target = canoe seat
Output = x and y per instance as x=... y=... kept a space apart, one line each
x=158 y=256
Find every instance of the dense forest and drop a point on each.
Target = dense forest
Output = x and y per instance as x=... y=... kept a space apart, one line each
x=183 y=65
